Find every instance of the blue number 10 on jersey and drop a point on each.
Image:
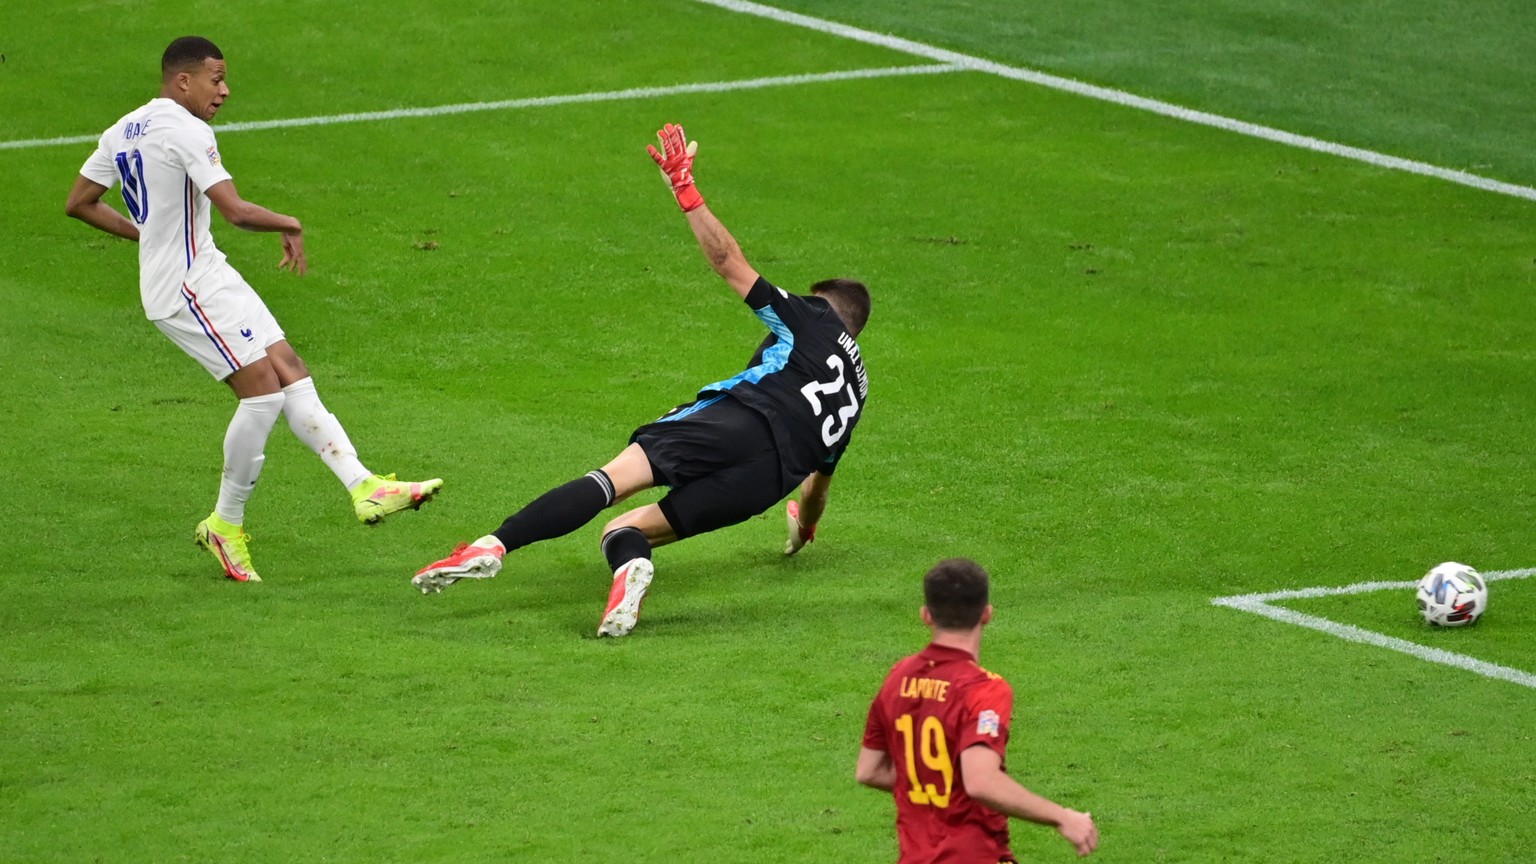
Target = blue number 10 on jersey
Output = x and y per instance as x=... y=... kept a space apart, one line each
x=135 y=193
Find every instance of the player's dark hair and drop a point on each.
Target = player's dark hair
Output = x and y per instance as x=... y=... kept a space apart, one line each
x=187 y=53
x=955 y=592
x=849 y=299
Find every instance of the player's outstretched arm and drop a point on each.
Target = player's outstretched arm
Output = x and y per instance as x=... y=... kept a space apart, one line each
x=675 y=159
x=985 y=781
x=86 y=205
x=801 y=517
x=721 y=250
x=253 y=217
x=875 y=768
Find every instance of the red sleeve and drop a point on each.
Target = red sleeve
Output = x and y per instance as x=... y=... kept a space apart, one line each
x=874 y=726
x=987 y=715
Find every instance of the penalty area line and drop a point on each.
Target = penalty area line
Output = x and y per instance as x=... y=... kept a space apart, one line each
x=539 y=101
x=1259 y=604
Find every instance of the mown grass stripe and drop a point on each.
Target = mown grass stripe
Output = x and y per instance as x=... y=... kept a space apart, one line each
x=1129 y=100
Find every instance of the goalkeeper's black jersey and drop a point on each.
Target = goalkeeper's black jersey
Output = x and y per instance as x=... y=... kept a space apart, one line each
x=807 y=379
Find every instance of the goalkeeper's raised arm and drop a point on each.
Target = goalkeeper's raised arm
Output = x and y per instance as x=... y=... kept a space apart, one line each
x=675 y=159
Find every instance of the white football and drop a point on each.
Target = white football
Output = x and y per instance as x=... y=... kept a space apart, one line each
x=1452 y=595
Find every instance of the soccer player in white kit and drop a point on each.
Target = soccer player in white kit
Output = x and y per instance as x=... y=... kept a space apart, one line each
x=168 y=163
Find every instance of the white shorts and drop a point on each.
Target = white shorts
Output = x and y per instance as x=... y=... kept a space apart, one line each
x=223 y=324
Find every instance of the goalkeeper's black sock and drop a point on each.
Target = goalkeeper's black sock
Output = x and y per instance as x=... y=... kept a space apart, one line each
x=557 y=512
x=624 y=545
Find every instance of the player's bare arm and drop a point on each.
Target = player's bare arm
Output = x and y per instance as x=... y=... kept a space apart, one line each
x=253 y=217
x=801 y=517
x=875 y=769
x=86 y=205
x=981 y=770
x=722 y=250
x=813 y=498
x=675 y=159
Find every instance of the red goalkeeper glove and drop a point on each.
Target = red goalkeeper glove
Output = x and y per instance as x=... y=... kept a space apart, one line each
x=799 y=535
x=675 y=159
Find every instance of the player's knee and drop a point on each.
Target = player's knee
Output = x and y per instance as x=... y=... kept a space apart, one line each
x=254 y=379
x=649 y=520
x=287 y=363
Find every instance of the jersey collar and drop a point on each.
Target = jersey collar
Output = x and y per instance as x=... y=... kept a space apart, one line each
x=938 y=652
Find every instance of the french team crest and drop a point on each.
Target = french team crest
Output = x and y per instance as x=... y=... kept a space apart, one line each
x=988 y=723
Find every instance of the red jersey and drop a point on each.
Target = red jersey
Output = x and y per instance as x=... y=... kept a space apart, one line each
x=933 y=706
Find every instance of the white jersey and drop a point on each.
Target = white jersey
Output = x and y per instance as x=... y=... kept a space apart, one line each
x=166 y=160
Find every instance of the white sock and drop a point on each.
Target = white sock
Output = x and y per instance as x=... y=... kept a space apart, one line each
x=321 y=432
x=244 y=446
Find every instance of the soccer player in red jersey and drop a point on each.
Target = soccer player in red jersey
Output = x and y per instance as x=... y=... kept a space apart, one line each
x=937 y=733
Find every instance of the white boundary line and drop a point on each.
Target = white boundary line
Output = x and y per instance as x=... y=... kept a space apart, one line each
x=1258 y=604
x=1120 y=97
x=536 y=102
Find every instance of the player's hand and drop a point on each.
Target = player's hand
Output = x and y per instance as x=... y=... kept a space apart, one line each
x=293 y=253
x=675 y=159
x=1079 y=830
x=799 y=535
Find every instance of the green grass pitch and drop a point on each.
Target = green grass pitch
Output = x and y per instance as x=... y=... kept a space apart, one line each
x=1128 y=363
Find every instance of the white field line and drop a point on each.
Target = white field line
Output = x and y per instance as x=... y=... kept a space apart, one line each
x=534 y=102
x=1259 y=605
x=1120 y=97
